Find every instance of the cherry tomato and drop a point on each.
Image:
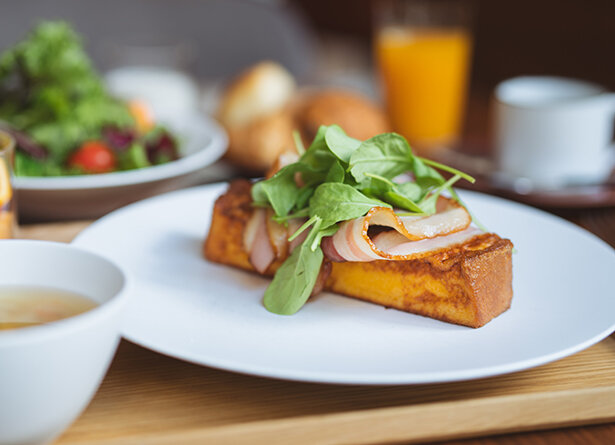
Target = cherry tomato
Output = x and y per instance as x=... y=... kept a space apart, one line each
x=93 y=157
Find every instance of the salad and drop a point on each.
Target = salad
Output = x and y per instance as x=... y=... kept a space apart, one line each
x=64 y=121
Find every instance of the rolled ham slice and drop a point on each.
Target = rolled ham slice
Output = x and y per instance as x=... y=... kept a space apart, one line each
x=257 y=243
x=265 y=240
x=406 y=237
x=278 y=235
x=417 y=234
x=397 y=247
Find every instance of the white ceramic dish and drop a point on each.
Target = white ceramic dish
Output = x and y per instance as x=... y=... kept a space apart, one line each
x=183 y=306
x=49 y=373
x=202 y=140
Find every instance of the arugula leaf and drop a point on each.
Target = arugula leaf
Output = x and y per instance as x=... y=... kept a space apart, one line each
x=386 y=155
x=402 y=202
x=304 y=195
x=334 y=202
x=318 y=156
x=340 y=144
x=375 y=185
x=280 y=191
x=448 y=169
x=410 y=190
x=259 y=197
x=336 y=173
x=404 y=196
x=293 y=282
x=428 y=204
x=426 y=176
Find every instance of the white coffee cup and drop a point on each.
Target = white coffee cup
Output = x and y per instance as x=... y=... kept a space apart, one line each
x=553 y=131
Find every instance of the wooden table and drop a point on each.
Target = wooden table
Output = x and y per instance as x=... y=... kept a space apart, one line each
x=148 y=398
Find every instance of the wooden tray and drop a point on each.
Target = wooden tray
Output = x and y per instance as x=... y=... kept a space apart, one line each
x=148 y=398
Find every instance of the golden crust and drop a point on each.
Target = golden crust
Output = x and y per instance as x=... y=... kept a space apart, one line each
x=469 y=284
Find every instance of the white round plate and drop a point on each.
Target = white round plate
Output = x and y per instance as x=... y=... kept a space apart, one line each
x=185 y=307
x=202 y=142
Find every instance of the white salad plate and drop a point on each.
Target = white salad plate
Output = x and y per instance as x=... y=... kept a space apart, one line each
x=202 y=141
x=186 y=307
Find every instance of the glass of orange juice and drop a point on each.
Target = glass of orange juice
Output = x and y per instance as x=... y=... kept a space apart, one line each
x=423 y=51
x=7 y=198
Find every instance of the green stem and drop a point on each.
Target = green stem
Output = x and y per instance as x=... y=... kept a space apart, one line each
x=438 y=191
x=381 y=178
x=315 y=230
x=386 y=158
x=480 y=225
x=298 y=143
x=314 y=219
x=446 y=168
x=298 y=214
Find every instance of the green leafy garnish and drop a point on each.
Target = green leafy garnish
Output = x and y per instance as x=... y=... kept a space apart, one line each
x=334 y=202
x=303 y=265
x=339 y=178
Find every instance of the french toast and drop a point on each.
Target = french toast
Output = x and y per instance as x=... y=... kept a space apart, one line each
x=467 y=284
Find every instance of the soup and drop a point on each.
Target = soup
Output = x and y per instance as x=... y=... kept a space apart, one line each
x=22 y=306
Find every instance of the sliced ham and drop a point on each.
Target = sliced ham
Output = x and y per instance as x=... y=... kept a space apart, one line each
x=265 y=240
x=397 y=247
x=417 y=234
x=249 y=233
x=278 y=236
x=405 y=237
x=257 y=242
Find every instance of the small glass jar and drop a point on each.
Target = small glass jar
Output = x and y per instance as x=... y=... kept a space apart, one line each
x=7 y=195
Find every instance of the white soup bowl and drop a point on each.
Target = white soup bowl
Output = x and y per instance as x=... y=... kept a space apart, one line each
x=50 y=372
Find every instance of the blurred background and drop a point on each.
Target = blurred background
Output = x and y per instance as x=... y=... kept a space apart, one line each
x=327 y=42
x=426 y=71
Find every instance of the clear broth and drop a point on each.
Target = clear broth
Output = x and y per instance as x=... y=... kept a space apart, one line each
x=23 y=306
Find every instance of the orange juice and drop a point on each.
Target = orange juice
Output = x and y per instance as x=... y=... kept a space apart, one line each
x=425 y=73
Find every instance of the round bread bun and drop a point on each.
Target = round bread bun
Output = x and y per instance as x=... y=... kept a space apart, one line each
x=261 y=108
x=263 y=89
x=256 y=146
x=358 y=116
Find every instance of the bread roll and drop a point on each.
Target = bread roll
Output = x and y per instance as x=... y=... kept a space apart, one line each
x=263 y=89
x=261 y=109
x=256 y=146
x=358 y=116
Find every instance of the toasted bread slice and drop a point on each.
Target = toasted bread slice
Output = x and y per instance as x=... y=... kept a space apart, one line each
x=468 y=284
